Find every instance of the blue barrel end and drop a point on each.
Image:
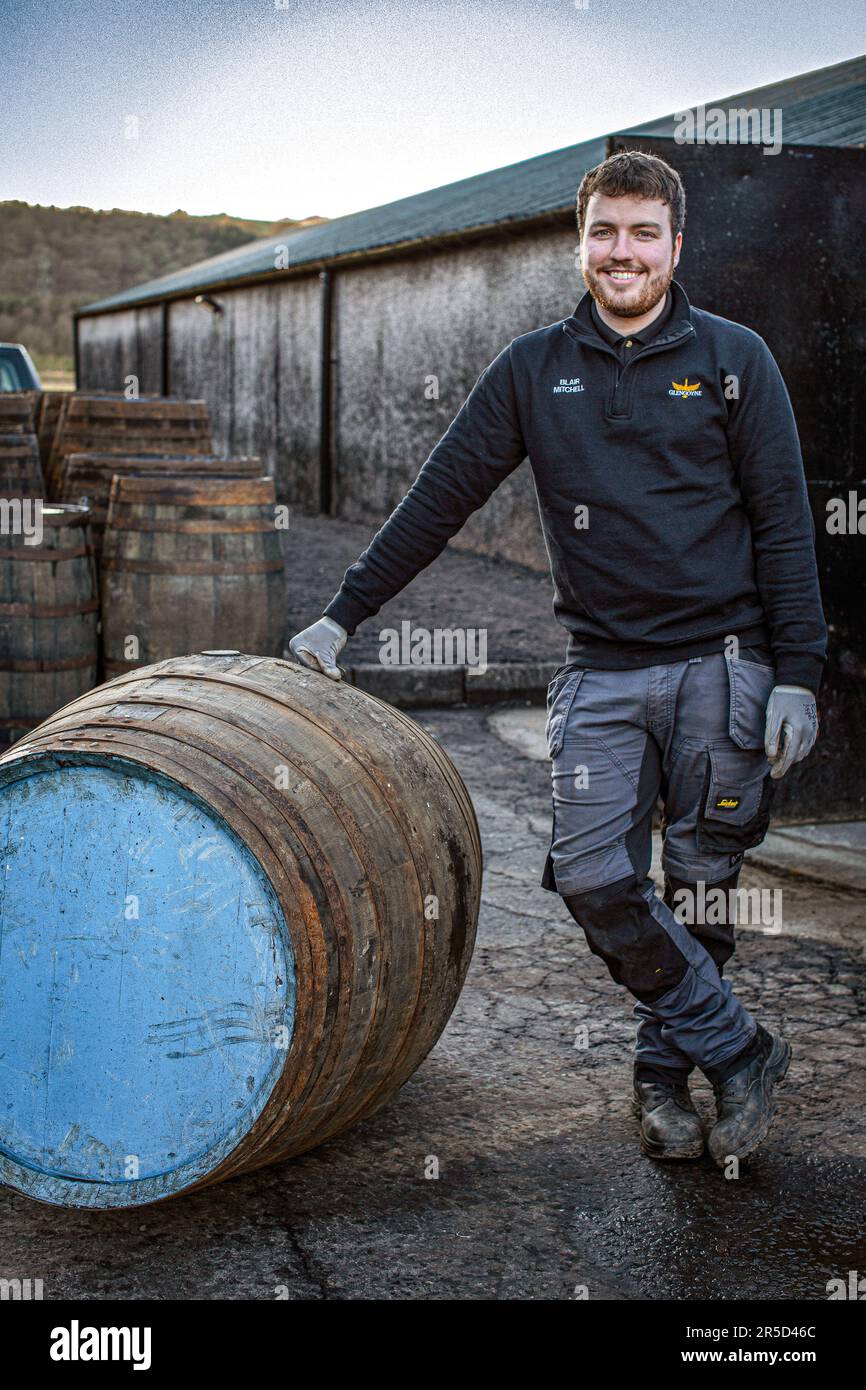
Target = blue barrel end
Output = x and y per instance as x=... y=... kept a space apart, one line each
x=147 y=985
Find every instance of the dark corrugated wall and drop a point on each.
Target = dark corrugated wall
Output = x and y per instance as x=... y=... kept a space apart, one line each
x=774 y=242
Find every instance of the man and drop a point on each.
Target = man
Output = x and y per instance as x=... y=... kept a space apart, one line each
x=673 y=503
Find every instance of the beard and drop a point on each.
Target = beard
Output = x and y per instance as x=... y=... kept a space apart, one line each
x=654 y=288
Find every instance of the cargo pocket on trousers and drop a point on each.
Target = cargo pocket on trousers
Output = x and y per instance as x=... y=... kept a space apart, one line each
x=560 y=696
x=750 y=684
x=738 y=794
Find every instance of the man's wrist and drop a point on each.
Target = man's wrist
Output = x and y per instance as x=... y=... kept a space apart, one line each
x=801 y=670
x=346 y=611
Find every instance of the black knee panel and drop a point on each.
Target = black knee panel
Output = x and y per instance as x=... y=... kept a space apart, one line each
x=621 y=930
x=717 y=938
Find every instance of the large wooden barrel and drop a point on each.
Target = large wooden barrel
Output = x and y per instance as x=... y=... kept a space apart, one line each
x=103 y=424
x=188 y=565
x=20 y=468
x=87 y=477
x=243 y=900
x=49 y=612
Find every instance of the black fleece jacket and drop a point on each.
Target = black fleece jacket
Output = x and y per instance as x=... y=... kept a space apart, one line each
x=670 y=489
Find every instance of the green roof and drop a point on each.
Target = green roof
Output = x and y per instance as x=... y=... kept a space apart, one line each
x=825 y=107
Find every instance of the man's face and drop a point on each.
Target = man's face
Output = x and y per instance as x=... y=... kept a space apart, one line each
x=627 y=253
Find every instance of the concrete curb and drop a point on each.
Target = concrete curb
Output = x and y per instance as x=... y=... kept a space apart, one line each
x=408 y=686
x=832 y=862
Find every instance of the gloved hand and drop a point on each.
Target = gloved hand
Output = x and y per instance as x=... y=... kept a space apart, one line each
x=791 y=728
x=319 y=646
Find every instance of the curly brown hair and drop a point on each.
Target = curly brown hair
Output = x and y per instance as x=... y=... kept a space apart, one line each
x=635 y=174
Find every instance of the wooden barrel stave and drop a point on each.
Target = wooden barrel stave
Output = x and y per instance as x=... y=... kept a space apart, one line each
x=49 y=414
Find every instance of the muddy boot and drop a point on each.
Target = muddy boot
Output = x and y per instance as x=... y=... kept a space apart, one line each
x=744 y=1102
x=670 y=1126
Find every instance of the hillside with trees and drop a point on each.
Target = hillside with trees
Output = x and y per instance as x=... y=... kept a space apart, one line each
x=56 y=259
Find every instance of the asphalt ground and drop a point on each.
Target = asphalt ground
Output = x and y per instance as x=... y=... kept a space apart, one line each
x=508 y=1167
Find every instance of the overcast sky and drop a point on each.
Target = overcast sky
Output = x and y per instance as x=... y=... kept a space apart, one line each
x=288 y=108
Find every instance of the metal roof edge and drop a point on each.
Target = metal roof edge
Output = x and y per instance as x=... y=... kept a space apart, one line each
x=503 y=227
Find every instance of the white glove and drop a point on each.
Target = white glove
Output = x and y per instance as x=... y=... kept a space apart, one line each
x=319 y=646
x=791 y=728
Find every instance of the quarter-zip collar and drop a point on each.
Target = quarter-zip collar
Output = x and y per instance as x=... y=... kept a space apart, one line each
x=580 y=325
x=619 y=340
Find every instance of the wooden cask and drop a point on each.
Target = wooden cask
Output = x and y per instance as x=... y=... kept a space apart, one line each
x=49 y=612
x=190 y=564
x=87 y=478
x=103 y=424
x=244 y=899
x=18 y=411
x=50 y=411
x=20 y=468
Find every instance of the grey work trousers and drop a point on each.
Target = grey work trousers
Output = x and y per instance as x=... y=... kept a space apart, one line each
x=691 y=732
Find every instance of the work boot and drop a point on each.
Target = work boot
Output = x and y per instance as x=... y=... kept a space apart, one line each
x=670 y=1126
x=744 y=1102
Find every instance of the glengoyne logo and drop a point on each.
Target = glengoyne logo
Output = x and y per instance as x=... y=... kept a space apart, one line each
x=568 y=385
x=685 y=388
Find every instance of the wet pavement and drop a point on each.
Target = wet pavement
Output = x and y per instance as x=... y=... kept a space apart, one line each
x=542 y=1191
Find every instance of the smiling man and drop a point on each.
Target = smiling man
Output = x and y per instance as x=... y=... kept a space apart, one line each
x=673 y=503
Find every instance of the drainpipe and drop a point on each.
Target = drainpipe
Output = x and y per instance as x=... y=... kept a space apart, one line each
x=76 y=349
x=327 y=499
x=165 y=384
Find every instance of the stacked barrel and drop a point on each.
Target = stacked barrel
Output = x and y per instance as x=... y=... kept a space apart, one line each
x=19 y=411
x=88 y=477
x=21 y=472
x=161 y=425
x=194 y=562
x=20 y=467
x=48 y=599
x=199 y=559
x=48 y=616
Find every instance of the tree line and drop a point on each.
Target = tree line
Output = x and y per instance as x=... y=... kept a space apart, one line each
x=57 y=259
